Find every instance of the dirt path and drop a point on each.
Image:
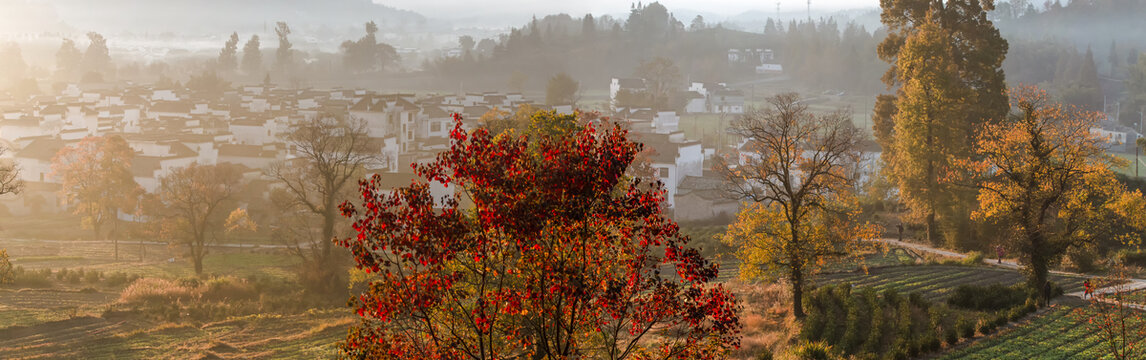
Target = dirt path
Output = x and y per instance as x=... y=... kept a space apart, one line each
x=1131 y=285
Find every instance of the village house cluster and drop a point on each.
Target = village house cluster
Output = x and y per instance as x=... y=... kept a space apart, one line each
x=173 y=128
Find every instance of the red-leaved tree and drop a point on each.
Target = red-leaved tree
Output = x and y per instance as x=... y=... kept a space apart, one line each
x=548 y=250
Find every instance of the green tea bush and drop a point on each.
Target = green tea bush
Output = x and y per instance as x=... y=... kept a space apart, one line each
x=966 y=328
x=987 y=298
x=808 y=350
x=973 y=258
x=863 y=324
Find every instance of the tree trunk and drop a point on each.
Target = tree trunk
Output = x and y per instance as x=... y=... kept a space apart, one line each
x=932 y=228
x=114 y=235
x=198 y=251
x=1039 y=269
x=327 y=235
x=797 y=294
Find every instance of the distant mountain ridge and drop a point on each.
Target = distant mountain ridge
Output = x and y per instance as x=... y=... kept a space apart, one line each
x=184 y=16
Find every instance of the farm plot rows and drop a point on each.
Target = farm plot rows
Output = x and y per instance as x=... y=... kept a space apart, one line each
x=936 y=281
x=310 y=335
x=1053 y=335
x=53 y=299
x=730 y=269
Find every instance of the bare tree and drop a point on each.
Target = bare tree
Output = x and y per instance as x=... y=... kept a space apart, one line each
x=799 y=171
x=330 y=152
x=10 y=182
x=194 y=201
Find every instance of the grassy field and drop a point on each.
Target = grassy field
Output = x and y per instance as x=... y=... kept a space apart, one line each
x=1056 y=334
x=309 y=335
x=83 y=318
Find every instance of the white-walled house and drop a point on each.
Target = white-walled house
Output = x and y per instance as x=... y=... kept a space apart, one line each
x=26 y=127
x=727 y=102
x=254 y=131
x=619 y=84
x=666 y=122
x=35 y=159
x=673 y=159
x=695 y=103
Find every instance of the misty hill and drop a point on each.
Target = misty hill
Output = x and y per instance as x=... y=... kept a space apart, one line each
x=1095 y=23
x=215 y=16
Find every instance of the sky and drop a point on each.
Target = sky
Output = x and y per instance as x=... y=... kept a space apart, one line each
x=456 y=8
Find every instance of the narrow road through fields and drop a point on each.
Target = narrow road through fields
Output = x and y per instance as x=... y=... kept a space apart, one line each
x=1131 y=285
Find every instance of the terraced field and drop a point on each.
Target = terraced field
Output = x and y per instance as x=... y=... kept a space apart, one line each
x=310 y=335
x=936 y=281
x=1053 y=335
x=730 y=268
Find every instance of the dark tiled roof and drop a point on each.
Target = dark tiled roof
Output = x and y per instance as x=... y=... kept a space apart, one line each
x=42 y=149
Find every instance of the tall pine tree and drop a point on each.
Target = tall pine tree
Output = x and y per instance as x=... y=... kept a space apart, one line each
x=946 y=60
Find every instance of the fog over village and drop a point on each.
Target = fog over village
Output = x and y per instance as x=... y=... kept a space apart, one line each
x=392 y=179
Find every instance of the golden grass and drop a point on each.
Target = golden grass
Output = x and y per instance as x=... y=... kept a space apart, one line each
x=766 y=317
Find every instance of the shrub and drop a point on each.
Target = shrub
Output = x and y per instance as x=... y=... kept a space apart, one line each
x=913 y=349
x=189 y=282
x=986 y=326
x=151 y=291
x=92 y=277
x=1015 y=313
x=986 y=298
x=228 y=289
x=864 y=325
x=1000 y=319
x=818 y=350
x=965 y=327
x=1135 y=258
x=33 y=278
x=116 y=278
x=930 y=343
x=62 y=274
x=1030 y=306
x=75 y=276
x=950 y=336
x=973 y=258
x=7 y=273
x=765 y=354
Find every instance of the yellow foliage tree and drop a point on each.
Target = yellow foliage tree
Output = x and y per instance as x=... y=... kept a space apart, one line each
x=1046 y=176
x=193 y=202
x=798 y=171
x=95 y=178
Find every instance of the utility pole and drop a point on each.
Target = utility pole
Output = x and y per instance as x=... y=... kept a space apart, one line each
x=809 y=10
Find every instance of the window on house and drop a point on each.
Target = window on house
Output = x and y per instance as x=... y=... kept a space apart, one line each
x=663 y=173
x=436 y=126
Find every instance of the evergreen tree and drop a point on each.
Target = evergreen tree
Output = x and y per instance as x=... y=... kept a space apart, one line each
x=12 y=62
x=96 y=57
x=68 y=59
x=588 y=27
x=946 y=58
x=252 y=56
x=283 y=59
x=229 y=56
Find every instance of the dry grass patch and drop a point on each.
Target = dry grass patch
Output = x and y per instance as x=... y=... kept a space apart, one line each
x=766 y=316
